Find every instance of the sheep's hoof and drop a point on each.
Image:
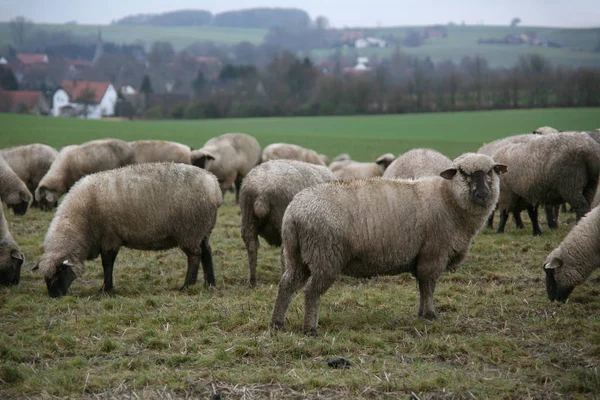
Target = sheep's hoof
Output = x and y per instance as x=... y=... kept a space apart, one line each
x=430 y=315
x=106 y=291
x=278 y=326
x=311 y=332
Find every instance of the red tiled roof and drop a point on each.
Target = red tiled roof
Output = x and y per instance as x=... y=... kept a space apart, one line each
x=76 y=88
x=77 y=63
x=31 y=58
x=28 y=98
x=207 y=60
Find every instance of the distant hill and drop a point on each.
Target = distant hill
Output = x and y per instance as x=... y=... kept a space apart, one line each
x=264 y=18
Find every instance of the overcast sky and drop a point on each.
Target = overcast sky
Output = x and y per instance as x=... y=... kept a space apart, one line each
x=567 y=13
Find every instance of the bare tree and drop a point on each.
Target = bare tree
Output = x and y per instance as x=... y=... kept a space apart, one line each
x=86 y=98
x=19 y=29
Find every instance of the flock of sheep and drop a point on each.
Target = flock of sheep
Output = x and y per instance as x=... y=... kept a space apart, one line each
x=416 y=213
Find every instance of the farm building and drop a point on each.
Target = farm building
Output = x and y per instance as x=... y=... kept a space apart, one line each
x=82 y=98
x=24 y=102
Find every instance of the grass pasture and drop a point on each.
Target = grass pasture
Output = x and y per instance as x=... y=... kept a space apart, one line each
x=497 y=336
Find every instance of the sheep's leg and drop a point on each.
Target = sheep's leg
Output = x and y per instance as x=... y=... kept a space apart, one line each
x=108 y=262
x=191 y=276
x=502 y=223
x=551 y=216
x=207 y=263
x=250 y=237
x=490 y=220
x=532 y=211
x=518 y=220
x=426 y=289
x=580 y=205
x=317 y=284
x=238 y=185
x=294 y=277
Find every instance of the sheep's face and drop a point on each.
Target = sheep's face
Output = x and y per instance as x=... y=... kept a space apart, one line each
x=46 y=198
x=58 y=277
x=559 y=283
x=478 y=182
x=11 y=261
x=18 y=202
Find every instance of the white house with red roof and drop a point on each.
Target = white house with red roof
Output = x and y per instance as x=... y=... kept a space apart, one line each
x=78 y=98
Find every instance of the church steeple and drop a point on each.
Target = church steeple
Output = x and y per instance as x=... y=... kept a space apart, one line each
x=99 y=48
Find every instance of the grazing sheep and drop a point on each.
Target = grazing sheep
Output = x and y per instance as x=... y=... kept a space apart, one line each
x=30 y=163
x=278 y=151
x=265 y=194
x=341 y=157
x=360 y=170
x=76 y=161
x=145 y=151
x=338 y=165
x=574 y=260
x=13 y=190
x=383 y=226
x=418 y=163
x=324 y=158
x=153 y=206
x=550 y=170
x=595 y=135
x=11 y=257
x=545 y=130
x=230 y=157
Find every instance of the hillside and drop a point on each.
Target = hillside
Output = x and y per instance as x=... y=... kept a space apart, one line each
x=577 y=44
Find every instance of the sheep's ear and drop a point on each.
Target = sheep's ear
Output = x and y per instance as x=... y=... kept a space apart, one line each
x=17 y=255
x=36 y=266
x=200 y=159
x=500 y=169
x=385 y=160
x=555 y=263
x=50 y=197
x=449 y=173
x=25 y=196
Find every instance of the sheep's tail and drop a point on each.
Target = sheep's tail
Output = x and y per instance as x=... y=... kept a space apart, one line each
x=261 y=207
x=593 y=171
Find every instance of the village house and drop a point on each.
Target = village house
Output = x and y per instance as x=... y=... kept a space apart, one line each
x=85 y=99
x=32 y=58
x=24 y=102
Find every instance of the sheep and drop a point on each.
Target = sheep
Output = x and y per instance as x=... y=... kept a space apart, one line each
x=277 y=151
x=338 y=165
x=264 y=196
x=230 y=157
x=160 y=150
x=11 y=258
x=324 y=158
x=552 y=169
x=341 y=157
x=545 y=130
x=418 y=163
x=489 y=149
x=13 y=190
x=30 y=163
x=361 y=170
x=76 y=161
x=574 y=260
x=383 y=226
x=152 y=206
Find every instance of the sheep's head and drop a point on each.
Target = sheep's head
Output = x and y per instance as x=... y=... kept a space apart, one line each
x=385 y=160
x=46 y=198
x=475 y=179
x=202 y=158
x=18 y=201
x=58 y=277
x=11 y=260
x=560 y=279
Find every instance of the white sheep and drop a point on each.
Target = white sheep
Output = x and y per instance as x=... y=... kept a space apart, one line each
x=11 y=258
x=574 y=260
x=160 y=151
x=13 y=190
x=351 y=170
x=230 y=157
x=288 y=151
x=30 y=163
x=152 y=206
x=266 y=192
x=418 y=163
x=383 y=226
x=76 y=161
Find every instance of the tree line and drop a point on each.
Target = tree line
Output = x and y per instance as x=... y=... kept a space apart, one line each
x=292 y=86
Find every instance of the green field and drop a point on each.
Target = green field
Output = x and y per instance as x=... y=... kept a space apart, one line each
x=180 y=37
x=462 y=41
x=497 y=335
